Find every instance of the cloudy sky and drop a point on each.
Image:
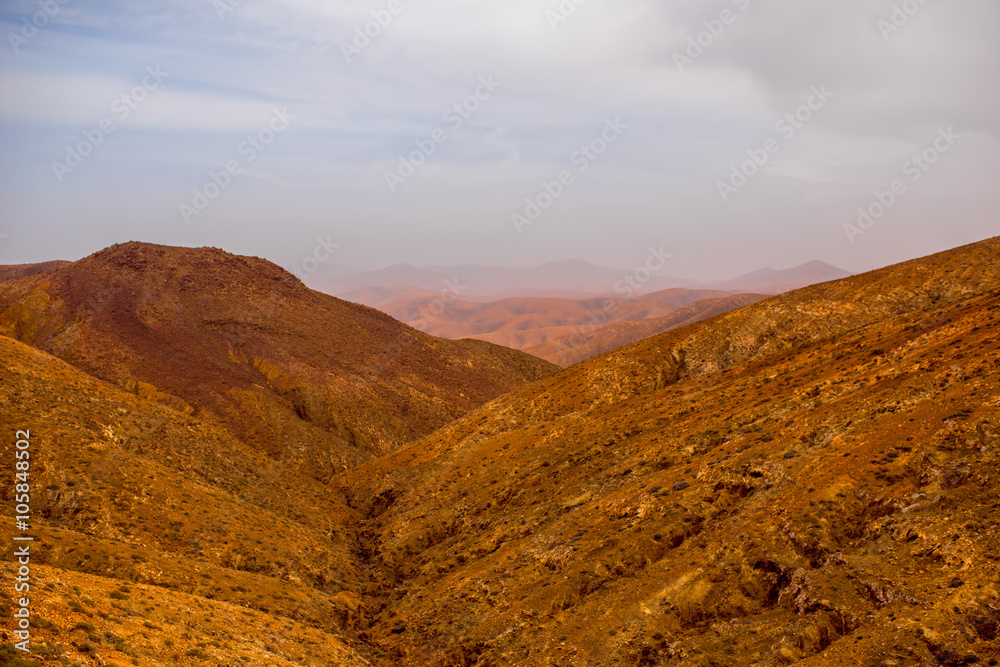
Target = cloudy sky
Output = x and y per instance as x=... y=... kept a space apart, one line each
x=735 y=134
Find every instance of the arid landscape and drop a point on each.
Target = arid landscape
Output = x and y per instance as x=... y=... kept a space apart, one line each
x=499 y=334
x=804 y=479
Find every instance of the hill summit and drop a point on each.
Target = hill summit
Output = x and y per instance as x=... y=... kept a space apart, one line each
x=243 y=343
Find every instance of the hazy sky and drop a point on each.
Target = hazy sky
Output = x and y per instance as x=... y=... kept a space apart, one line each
x=114 y=113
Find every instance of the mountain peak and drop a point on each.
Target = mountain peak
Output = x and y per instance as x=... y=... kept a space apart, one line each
x=207 y=266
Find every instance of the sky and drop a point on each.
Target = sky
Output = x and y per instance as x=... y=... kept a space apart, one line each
x=731 y=134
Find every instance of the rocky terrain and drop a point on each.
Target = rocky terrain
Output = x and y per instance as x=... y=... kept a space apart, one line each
x=810 y=479
x=163 y=539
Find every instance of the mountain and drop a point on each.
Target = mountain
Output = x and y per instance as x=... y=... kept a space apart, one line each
x=524 y=322
x=770 y=281
x=239 y=341
x=807 y=480
x=547 y=311
x=572 y=279
x=587 y=343
x=566 y=276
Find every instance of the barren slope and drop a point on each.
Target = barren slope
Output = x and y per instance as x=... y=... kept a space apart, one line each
x=302 y=375
x=162 y=540
x=809 y=480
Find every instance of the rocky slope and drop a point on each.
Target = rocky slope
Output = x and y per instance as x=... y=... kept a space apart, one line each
x=809 y=480
x=164 y=540
x=237 y=340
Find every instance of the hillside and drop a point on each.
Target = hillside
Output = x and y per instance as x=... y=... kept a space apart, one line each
x=808 y=480
x=583 y=344
x=303 y=376
x=164 y=540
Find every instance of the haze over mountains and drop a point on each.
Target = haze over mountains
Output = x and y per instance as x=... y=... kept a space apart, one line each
x=573 y=301
x=567 y=279
x=808 y=479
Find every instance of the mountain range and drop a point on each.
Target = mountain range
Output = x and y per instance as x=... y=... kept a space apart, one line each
x=571 y=279
x=548 y=311
x=808 y=478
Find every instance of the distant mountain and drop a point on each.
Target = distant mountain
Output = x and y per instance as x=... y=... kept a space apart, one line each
x=240 y=341
x=572 y=279
x=771 y=281
x=528 y=308
x=525 y=322
x=572 y=275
